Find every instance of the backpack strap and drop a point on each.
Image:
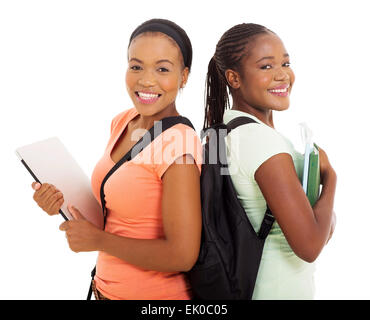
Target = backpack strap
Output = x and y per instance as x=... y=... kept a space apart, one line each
x=266 y=224
x=144 y=141
x=238 y=121
x=268 y=218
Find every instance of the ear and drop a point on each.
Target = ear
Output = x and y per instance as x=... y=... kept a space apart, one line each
x=185 y=75
x=233 y=78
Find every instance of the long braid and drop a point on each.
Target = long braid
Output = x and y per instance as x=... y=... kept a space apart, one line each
x=230 y=50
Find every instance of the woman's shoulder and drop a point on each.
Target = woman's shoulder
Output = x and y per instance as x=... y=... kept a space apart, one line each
x=259 y=135
x=253 y=144
x=175 y=142
x=253 y=133
x=122 y=117
x=182 y=129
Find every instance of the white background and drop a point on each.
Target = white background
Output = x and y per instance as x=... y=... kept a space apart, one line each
x=62 y=71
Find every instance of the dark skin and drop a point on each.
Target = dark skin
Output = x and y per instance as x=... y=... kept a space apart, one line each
x=265 y=68
x=155 y=66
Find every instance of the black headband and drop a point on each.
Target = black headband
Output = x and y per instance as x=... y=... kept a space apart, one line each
x=169 y=31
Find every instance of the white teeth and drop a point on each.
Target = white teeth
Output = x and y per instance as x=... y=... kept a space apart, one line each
x=279 y=90
x=147 y=95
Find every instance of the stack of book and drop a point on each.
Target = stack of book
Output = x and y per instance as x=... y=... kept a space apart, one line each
x=311 y=167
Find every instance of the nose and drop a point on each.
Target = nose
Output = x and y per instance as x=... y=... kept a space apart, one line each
x=147 y=79
x=281 y=75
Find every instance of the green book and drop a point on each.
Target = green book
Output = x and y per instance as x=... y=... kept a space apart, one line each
x=313 y=181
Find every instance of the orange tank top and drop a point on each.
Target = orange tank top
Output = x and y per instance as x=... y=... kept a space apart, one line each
x=133 y=200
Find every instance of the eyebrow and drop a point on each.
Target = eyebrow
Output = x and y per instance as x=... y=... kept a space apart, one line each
x=135 y=59
x=271 y=57
x=159 y=61
x=164 y=60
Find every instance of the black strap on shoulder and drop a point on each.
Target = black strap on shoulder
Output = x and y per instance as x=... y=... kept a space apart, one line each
x=268 y=218
x=149 y=136
x=238 y=121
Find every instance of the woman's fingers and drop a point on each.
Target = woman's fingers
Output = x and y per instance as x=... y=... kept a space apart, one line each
x=36 y=185
x=55 y=202
x=48 y=197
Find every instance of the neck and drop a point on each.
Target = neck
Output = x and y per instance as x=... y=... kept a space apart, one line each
x=146 y=122
x=261 y=114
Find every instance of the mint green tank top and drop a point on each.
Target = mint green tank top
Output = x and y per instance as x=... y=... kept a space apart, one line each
x=282 y=274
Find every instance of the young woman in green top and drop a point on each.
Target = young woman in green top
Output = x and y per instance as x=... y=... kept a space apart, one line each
x=252 y=65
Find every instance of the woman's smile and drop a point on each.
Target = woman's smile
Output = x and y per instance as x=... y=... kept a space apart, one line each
x=147 y=97
x=280 y=91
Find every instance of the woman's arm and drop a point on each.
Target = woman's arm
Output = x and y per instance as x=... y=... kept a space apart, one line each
x=181 y=212
x=306 y=229
x=332 y=226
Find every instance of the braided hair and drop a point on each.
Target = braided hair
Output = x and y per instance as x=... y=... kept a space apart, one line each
x=230 y=50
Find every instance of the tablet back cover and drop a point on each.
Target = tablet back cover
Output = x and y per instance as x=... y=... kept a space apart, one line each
x=49 y=161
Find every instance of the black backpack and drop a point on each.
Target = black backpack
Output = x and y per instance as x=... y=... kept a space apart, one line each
x=231 y=250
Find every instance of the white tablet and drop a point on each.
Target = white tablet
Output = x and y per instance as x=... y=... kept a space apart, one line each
x=48 y=161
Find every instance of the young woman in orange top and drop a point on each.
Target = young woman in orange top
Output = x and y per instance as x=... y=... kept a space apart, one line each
x=153 y=227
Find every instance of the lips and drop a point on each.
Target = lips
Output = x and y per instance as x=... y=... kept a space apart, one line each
x=147 y=97
x=281 y=91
